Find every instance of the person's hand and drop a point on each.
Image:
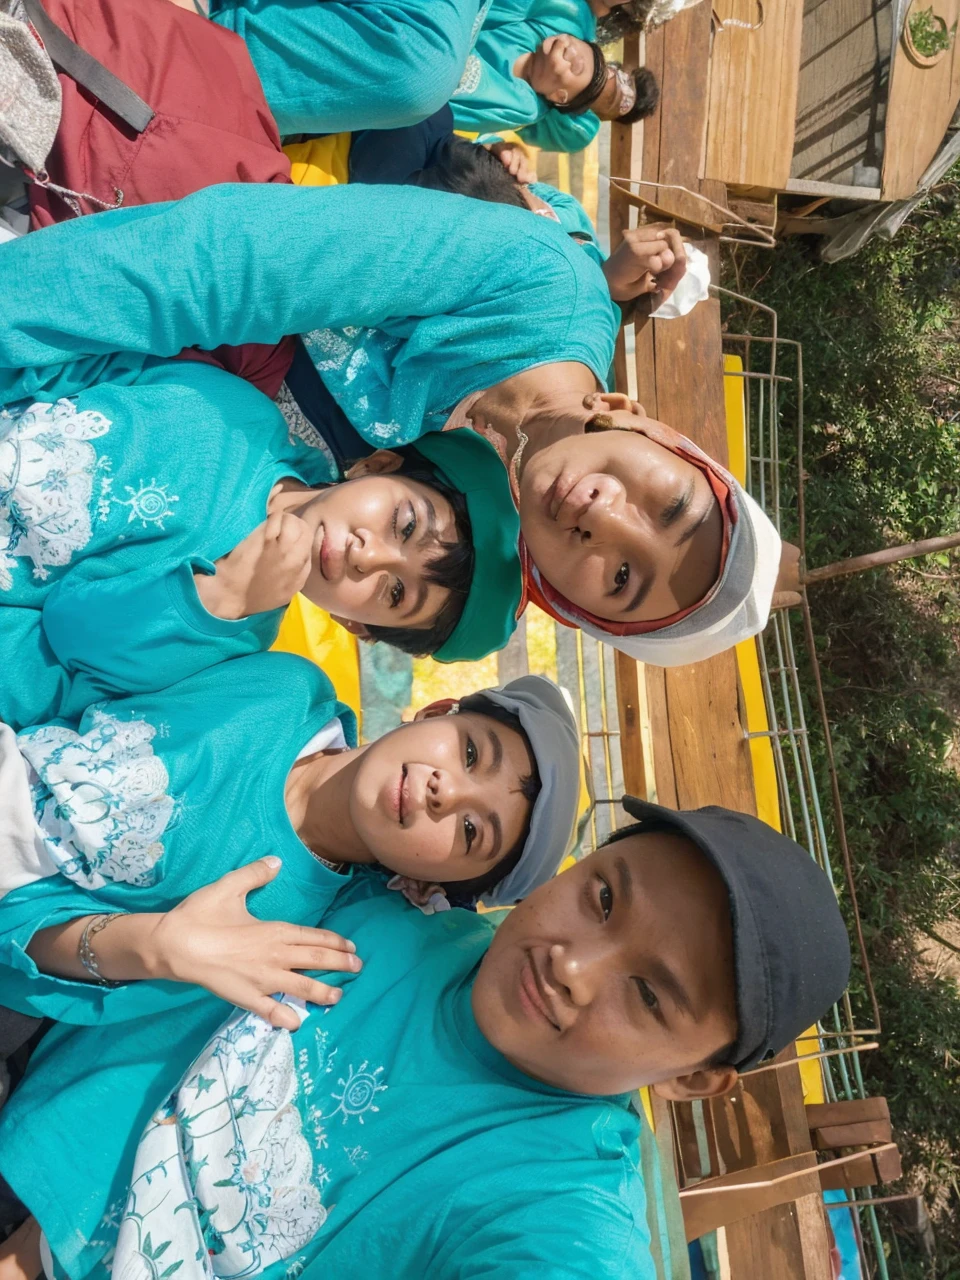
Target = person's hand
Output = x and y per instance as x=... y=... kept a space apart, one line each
x=213 y=940
x=514 y=160
x=264 y=571
x=650 y=259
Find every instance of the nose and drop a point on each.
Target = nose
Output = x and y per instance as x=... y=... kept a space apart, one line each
x=368 y=553
x=576 y=971
x=435 y=790
x=594 y=507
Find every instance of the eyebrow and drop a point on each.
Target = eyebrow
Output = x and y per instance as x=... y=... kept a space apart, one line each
x=418 y=601
x=626 y=880
x=692 y=529
x=664 y=977
x=496 y=748
x=639 y=596
x=497 y=835
x=430 y=533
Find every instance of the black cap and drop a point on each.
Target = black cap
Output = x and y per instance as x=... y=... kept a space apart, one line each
x=791 y=952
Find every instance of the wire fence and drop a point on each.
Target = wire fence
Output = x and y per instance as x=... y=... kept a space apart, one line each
x=798 y=729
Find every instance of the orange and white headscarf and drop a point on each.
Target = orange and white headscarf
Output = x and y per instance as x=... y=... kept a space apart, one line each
x=736 y=606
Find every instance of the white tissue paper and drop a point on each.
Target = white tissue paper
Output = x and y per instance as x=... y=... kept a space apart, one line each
x=693 y=288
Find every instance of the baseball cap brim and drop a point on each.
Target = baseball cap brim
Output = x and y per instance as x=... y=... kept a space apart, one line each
x=466 y=462
x=791 y=949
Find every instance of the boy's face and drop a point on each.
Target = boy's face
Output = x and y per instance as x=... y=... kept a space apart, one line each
x=439 y=799
x=373 y=539
x=617 y=973
x=561 y=68
x=619 y=524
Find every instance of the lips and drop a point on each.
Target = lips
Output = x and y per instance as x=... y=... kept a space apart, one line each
x=331 y=558
x=557 y=494
x=534 y=999
x=402 y=798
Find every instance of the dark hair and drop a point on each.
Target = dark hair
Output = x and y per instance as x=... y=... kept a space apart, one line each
x=625 y=18
x=467 y=169
x=648 y=96
x=464 y=893
x=722 y=1058
x=451 y=569
x=588 y=96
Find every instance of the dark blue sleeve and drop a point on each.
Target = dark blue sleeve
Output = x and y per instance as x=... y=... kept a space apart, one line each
x=390 y=156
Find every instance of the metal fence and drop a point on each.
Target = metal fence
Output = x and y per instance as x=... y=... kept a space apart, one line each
x=796 y=714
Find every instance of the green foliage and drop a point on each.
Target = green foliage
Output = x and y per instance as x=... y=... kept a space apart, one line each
x=929 y=32
x=881 y=348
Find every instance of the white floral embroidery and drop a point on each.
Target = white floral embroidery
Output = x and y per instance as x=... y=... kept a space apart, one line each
x=48 y=471
x=100 y=799
x=470 y=80
x=299 y=427
x=479 y=21
x=224 y=1183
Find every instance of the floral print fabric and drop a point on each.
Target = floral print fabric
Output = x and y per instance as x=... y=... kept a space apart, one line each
x=100 y=799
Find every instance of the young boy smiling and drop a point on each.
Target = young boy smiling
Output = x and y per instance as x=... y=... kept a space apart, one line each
x=465 y=1109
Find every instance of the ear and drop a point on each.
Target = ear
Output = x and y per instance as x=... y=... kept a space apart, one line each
x=355 y=628
x=379 y=463
x=442 y=707
x=710 y=1082
x=789 y=577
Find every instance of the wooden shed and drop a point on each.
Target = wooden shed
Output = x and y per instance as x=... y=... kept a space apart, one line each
x=828 y=98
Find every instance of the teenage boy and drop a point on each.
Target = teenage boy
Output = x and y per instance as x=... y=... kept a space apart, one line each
x=465 y=1109
x=150 y=530
x=503 y=324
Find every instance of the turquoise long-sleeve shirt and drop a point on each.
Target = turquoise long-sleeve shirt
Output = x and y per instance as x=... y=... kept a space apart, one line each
x=386 y=1137
x=408 y=299
x=328 y=66
x=102 y=492
x=151 y=797
x=490 y=98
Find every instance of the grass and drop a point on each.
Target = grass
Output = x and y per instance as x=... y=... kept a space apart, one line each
x=881 y=337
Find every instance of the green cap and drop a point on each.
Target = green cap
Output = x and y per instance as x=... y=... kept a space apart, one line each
x=465 y=461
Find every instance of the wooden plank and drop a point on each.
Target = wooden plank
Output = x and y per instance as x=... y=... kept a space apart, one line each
x=752 y=94
x=631 y=744
x=711 y=754
x=853 y=1111
x=664 y=762
x=683 y=113
x=921 y=103
x=721 y=1205
x=774 y=1244
x=842 y=93
x=831 y=190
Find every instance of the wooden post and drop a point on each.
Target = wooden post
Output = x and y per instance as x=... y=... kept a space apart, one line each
x=877 y=559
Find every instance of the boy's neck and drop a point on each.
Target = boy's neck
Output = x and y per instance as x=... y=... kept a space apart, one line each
x=521 y=68
x=317 y=797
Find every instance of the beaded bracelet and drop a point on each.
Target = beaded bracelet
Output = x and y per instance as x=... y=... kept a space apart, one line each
x=86 y=952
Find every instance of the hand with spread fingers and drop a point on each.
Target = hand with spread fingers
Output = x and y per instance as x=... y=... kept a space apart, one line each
x=209 y=939
x=650 y=260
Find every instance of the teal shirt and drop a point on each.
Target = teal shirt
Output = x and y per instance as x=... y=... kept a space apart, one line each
x=428 y=298
x=573 y=218
x=331 y=66
x=101 y=492
x=490 y=98
x=386 y=1137
x=154 y=796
